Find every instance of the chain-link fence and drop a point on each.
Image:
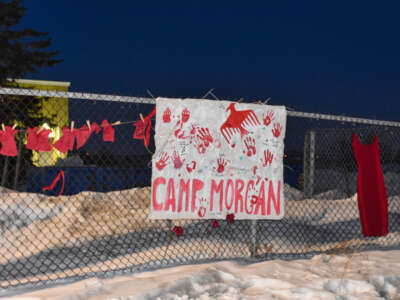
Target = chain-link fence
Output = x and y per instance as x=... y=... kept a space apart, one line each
x=92 y=220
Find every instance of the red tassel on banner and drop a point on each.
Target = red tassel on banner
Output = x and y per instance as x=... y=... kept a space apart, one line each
x=53 y=184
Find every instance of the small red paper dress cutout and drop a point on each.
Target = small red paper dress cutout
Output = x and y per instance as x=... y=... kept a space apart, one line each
x=66 y=142
x=108 y=131
x=8 y=144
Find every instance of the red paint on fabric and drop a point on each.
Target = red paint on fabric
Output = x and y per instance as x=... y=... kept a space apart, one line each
x=184 y=188
x=197 y=185
x=239 y=186
x=156 y=183
x=229 y=186
x=275 y=199
x=216 y=189
x=235 y=122
x=170 y=201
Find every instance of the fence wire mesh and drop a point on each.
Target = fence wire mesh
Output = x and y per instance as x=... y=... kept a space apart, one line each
x=99 y=224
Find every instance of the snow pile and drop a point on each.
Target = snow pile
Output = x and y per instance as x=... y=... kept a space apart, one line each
x=370 y=275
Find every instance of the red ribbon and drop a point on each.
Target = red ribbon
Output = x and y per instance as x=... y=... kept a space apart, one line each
x=52 y=185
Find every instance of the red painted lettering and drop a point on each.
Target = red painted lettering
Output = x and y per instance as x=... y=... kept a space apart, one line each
x=250 y=185
x=229 y=184
x=239 y=186
x=197 y=185
x=261 y=200
x=157 y=181
x=275 y=200
x=184 y=188
x=216 y=189
x=170 y=199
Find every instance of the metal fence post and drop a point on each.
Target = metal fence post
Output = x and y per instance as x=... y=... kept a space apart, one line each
x=21 y=136
x=309 y=164
x=5 y=169
x=253 y=232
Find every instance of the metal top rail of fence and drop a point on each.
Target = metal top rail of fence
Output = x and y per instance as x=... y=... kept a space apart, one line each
x=145 y=100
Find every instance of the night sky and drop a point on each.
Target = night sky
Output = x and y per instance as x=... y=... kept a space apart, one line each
x=340 y=57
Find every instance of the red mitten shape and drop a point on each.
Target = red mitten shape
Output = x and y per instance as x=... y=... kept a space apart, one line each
x=8 y=144
x=66 y=142
x=32 y=138
x=108 y=131
x=139 y=130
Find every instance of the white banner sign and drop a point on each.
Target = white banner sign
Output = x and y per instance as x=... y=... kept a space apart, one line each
x=215 y=158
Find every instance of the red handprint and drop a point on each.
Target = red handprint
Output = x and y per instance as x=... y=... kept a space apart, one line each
x=163 y=161
x=268 y=118
x=276 y=131
x=185 y=115
x=205 y=136
x=250 y=145
x=191 y=167
x=221 y=165
x=268 y=156
x=177 y=160
x=202 y=210
x=167 y=116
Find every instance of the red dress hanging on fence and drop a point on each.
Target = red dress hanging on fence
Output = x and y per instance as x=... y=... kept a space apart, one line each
x=8 y=144
x=371 y=191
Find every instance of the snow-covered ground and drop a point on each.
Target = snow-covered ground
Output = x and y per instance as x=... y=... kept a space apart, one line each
x=358 y=276
x=93 y=232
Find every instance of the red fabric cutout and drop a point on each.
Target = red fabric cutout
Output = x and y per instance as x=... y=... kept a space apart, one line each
x=43 y=143
x=31 y=142
x=140 y=130
x=8 y=144
x=95 y=127
x=66 y=142
x=371 y=191
x=83 y=134
x=108 y=131
x=53 y=184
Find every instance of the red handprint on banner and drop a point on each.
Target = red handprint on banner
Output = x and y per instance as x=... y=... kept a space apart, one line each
x=268 y=156
x=177 y=160
x=250 y=145
x=185 y=115
x=205 y=136
x=268 y=117
x=191 y=166
x=276 y=131
x=202 y=210
x=162 y=161
x=167 y=116
x=221 y=165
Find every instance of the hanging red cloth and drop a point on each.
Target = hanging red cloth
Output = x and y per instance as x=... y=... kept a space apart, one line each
x=143 y=127
x=371 y=191
x=66 y=142
x=82 y=134
x=8 y=144
x=38 y=141
x=108 y=131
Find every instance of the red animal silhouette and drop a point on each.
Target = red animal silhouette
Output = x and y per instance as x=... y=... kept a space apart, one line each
x=236 y=120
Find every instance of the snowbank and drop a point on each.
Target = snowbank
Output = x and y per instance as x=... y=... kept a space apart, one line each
x=368 y=275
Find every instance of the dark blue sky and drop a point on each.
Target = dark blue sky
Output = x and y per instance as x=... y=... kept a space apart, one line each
x=339 y=57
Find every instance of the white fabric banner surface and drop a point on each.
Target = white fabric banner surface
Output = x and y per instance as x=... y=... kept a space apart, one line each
x=215 y=158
